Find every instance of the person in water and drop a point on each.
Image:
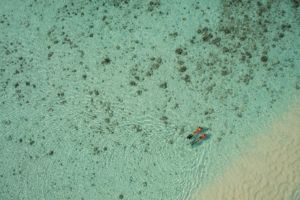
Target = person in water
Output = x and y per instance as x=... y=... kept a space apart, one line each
x=195 y=132
x=200 y=138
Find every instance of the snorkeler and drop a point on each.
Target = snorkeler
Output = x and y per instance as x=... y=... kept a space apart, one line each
x=200 y=138
x=195 y=132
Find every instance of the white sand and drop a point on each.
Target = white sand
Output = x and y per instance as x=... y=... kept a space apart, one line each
x=270 y=169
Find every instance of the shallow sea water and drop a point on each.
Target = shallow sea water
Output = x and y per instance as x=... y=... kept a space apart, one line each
x=97 y=97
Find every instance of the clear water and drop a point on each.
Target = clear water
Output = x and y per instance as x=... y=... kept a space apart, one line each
x=97 y=97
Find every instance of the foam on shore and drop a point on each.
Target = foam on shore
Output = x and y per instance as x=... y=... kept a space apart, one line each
x=268 y=169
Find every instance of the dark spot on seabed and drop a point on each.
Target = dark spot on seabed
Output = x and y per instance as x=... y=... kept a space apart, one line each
x=145 y=184
x=96 y=150
x=163 y=85
x=182 y=68
x=50 y=54
x=96 y=92
x=31 y=142
x=186 y=78
x=209 y=111
x=295 y=3
x=264 y=58
x=170 y=141
x=164 y=119
x=106 y=61
x=153 y=4
x=132 y=83
x=179 y=51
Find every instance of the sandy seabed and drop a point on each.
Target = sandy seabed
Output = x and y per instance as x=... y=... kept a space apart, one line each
x=269 y=169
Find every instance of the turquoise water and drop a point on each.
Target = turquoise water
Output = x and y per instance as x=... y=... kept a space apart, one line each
x=97 y=97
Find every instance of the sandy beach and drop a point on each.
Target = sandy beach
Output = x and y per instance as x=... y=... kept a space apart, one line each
x=269 y=169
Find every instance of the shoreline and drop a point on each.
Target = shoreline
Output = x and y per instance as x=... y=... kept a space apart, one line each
x=267 y=168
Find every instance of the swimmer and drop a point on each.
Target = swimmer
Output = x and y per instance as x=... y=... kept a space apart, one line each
x=195 y=132
x=200 y=138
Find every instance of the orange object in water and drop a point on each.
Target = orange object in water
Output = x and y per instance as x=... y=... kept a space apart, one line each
x=203 y=136
x=200 y=138
x=197 y=130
